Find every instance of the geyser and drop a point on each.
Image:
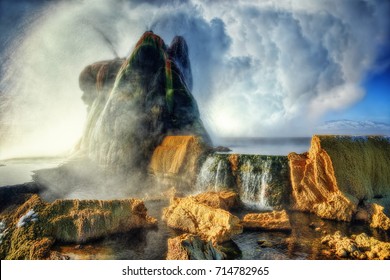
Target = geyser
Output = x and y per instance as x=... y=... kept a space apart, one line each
x=130 y=112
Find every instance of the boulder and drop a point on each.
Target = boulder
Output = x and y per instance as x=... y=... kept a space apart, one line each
x=225 y=200
x=192 y=247
x=357 y=246
x=378 y=218
x=211 y=224
x=31 y=230
x=272 y=221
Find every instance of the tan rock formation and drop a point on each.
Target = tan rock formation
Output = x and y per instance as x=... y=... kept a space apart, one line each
x=34 y=227
x=211 y=224
x=314 y=186
x=378 y=218
x=338 y=172
x=191 y=247
x=225 y=200
x=357 y=247
x=274 y=221
x=177 y=156
x=82 y=220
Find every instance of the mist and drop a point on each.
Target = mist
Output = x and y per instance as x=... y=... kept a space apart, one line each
x=273 y=68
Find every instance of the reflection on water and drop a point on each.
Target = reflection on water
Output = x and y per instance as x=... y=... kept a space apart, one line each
x=142 y=244
x=304 y=242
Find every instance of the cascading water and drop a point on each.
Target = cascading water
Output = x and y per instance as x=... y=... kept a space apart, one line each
x=254 y=184
x=261 y=181
x=214 y=174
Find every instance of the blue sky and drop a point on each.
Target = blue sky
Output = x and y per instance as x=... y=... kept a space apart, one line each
x=375 y=105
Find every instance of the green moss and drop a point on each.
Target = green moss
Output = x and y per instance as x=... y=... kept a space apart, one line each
x=67 y=221
x=31 y=240
x=361 y=164
x=65 y=228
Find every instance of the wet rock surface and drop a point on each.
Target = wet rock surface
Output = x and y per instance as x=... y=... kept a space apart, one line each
x=192 y=247
x=272 y=221
x=178 y=157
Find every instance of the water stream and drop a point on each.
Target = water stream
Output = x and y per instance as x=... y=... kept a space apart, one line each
x=261 y=181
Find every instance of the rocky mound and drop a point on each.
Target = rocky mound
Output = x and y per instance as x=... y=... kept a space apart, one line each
x=32 y=229
x=150 y=99
x=338 y=172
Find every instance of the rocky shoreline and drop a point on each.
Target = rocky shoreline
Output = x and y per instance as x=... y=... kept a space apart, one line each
x=204 y=228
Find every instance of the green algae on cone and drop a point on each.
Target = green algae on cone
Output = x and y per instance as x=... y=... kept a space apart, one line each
x=149 y=99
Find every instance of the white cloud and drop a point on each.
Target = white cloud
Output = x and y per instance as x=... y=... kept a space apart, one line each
x=354 y=127
x=260 y=68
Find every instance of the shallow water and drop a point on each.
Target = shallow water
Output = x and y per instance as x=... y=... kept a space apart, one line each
x=302 y=243
x=145 y=244
x=19 y=171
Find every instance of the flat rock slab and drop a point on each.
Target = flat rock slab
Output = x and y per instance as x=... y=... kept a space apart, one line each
x=272 y=221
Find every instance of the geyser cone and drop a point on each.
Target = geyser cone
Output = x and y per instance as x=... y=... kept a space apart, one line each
x=149 y=100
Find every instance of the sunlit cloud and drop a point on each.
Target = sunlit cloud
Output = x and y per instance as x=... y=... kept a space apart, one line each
x=261 y=68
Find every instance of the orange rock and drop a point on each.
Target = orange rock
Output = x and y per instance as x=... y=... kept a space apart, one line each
x=275 y=221
x=177 y=156
x=233 y=159
x=224 y=199
x=358 y=246
x=211 y=224
x=191 y=247
x=314 y=185
x=378 y=218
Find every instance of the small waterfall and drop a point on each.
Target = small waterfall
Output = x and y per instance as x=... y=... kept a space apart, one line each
x=255 y=181
x=262 y=182
x=214 y=174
